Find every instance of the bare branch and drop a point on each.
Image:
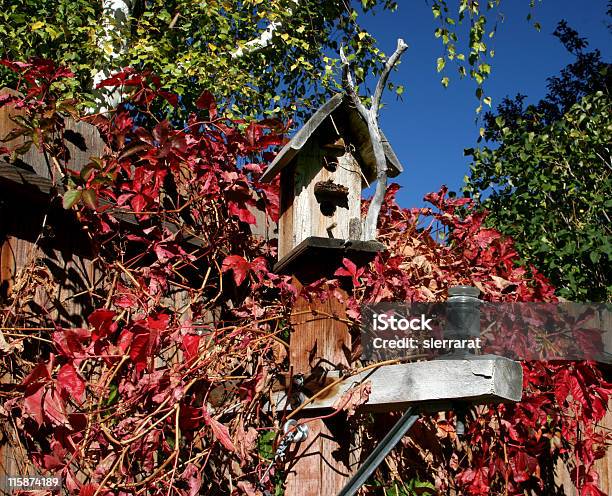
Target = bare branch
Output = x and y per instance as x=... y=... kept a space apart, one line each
x=349 y=85
x=382 y=82
x=371 y=118
x=369 y=228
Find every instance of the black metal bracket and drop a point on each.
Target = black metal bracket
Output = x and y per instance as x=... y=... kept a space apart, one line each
x=379 y=453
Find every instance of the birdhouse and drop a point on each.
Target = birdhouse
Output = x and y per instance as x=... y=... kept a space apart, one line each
x=323 y=171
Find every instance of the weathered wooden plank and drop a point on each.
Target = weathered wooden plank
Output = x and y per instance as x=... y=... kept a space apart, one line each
x=14 y=176
x=328 y=252
x=322 y=464
x=342 y=109
x=82 y=141
x=603 y=466
x=432 y=385
x=285 y=222
x=305 y=213
x=29 y=185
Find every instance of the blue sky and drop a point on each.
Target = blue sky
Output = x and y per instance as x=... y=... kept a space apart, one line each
x=432 y=125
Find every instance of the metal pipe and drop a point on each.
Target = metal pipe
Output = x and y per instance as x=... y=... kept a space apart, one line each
x=379 y=453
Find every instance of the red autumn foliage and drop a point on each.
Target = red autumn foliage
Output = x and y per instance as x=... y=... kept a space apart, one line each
x=162 y=391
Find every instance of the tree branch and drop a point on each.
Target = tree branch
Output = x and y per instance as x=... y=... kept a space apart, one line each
x=382 y=82
x=371 y=118
x=115 y=16
x=349 y=85
x=263 y=40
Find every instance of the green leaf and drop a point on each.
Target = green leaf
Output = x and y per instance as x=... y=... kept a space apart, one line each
x=89 y=197
x=71 y=197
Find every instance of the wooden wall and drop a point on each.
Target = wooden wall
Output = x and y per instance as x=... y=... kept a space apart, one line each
x=41 y=241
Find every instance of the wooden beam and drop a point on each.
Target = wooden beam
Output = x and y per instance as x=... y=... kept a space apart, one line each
x=14 y=179
x=432 y=385
x=12 y=175
x=322 y=464
x=328 y=254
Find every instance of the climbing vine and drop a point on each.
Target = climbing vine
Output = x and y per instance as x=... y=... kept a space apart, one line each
x=164 y=388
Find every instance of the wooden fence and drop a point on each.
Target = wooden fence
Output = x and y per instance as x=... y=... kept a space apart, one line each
x=41 y=241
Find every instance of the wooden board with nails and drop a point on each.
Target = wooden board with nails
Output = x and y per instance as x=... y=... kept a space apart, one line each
x=432 y=385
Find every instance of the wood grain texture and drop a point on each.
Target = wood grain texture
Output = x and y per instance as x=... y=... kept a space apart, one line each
x=308 y=218
x=30 y=193
x=63 y=294
x=285 y=221
x=82 y=140
x=603 y=467
x=322 y=464
x=431 y=385
x=329 y=253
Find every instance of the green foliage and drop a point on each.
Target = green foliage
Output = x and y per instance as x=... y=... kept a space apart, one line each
x=196 y=46
x=551 y=191
x=479 y=15
x=413 y=487
x=63 y=30
x=193 y=46
x=265 y=445
x=265 y=449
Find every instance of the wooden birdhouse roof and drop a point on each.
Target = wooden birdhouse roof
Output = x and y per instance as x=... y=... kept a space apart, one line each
x=337 y=118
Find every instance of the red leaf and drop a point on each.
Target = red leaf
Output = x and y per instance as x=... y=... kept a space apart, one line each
x=485 y=237
x=351 y=270
x=32 y=406
x=590 y=489
x=523 y=466
x=577 y=390
x=239 y=265
x=102 y=321
x=124 y=298
x=70 y=381
x=206 y=101
x=39 y=375
x=354 y=397
x=247 y=488
x=140 y=350
x=171 y=98
x=243 y=213
x=221 y=432
x=54 y=409
x=191 y=343
x=138 y=203
x=88 y=490
x=477 y=481
x=159 y=322
x=194 y=479
x=69 y=342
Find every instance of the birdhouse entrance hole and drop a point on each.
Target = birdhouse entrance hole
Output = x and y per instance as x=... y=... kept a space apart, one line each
x=331 y=196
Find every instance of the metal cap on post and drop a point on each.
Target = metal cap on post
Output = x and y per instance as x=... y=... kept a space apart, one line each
x=463 y=314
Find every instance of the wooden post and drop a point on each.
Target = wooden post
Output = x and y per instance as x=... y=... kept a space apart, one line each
x=322 y=463
x=323 y=170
